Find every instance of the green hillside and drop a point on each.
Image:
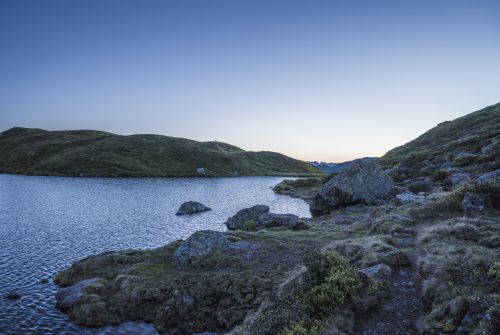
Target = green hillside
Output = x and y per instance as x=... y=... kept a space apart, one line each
x=101 y=154
x=471 y=142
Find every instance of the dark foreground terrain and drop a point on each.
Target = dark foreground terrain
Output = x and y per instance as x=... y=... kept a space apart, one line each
x=412 y=249
x=99 y=154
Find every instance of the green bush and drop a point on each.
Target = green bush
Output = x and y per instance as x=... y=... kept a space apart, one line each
x=249 y=225
x=333 y=281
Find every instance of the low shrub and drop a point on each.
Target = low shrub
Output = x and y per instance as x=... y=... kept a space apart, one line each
x=333 y=282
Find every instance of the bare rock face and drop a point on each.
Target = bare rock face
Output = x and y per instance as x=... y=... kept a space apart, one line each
x=365 y=182
x=248 y=214
x=192 y=207
x=205 y=241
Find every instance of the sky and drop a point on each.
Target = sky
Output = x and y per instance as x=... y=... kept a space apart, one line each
x=315 y=80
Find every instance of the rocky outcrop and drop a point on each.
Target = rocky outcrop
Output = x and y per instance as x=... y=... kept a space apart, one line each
x=192 y=207
x=243 y=216
x=259 y=217
x=365 y=182
x=205 y=241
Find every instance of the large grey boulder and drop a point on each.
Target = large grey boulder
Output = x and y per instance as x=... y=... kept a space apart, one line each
x=205 y=241
x=248 y=214
x=291 y=221
x=365 y=182
x=192 y=207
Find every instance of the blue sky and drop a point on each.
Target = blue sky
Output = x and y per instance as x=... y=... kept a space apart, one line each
x=316 y=80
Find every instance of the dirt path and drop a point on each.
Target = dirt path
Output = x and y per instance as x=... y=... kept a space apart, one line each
x=399 y=314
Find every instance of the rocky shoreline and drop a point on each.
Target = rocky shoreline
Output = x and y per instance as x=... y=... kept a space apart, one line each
x=409 y=246
x=253 y=281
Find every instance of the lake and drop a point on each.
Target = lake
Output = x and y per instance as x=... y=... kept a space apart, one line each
x=47 y=223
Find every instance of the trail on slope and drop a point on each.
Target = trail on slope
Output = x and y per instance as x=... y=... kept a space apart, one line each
x=399 y=313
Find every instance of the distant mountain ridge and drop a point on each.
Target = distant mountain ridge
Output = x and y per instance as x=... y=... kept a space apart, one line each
x=101 y=154
x=329 y=168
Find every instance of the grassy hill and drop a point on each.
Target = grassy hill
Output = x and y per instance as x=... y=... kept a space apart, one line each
x=471 y=142
x=100 y=154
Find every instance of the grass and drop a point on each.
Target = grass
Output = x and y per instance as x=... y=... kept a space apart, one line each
x=249 y=225
x=304 y=188
x=100 y=154
x=471 y=133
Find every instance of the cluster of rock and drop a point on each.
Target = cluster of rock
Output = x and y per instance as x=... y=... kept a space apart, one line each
x=259 y=217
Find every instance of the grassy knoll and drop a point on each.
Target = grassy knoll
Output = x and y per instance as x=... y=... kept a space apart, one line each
x=100 y=154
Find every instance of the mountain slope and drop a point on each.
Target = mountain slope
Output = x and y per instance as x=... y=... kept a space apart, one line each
x=95 y=153
x=471 y=143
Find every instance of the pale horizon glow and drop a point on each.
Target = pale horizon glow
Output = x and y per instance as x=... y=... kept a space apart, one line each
x=314 y=80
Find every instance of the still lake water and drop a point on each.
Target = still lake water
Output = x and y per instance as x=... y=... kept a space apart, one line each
x=47 y=223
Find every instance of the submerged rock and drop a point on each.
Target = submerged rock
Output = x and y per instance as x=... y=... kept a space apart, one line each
x=365 y=182
x=248 y=214
x=192 y=207
x=14 y=295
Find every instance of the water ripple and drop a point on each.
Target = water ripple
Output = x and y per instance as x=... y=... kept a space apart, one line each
x=46 y=223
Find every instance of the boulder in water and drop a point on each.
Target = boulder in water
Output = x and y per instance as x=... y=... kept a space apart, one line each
x=192 y=207
x=248 y=214
x=14 y=295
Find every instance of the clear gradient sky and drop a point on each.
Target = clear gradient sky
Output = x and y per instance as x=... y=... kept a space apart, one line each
x=316 y=80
